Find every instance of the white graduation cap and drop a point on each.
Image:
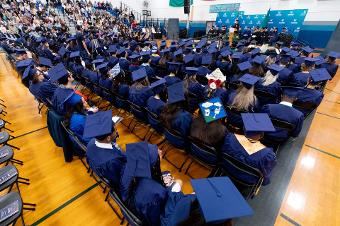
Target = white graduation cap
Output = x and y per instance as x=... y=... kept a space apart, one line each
x=216 y=75
x=115 y=71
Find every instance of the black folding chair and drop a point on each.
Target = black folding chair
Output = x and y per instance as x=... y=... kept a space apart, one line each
x=234 y=168
x=265 y=97
x=307 y=107
x=140 y=118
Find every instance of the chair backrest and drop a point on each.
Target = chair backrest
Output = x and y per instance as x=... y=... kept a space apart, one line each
x=128 y=214
x=239 y=171
x=154 y=120
x=309 y=106
x=265 y=96
x=202 y=152
x=74 y=139
x=175 y=138
x=282 y=124
x=137 y=111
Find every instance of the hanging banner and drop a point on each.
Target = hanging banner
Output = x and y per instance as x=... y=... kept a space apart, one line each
x=227 y=18
x=251 y=20
x=220 y=8
x=291 y=19
x=178 y=3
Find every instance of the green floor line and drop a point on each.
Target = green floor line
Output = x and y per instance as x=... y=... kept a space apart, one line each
x=322 y=151
x=64 y=205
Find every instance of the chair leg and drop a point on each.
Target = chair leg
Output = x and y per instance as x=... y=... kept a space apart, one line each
x=7 y=122
x=9 y=130
x=29 y=204
x=22 y=220
x=16 y=162
x=186 y=171
x=13 y=146
x=22 y=178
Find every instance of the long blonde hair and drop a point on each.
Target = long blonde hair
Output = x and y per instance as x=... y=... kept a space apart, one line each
x=244 y=99
x=269 y=78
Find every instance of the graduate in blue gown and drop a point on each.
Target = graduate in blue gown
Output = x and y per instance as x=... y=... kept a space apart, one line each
x=121 y=88
x=139 y=91
x=134 y=65
x=146 y=59
x=42 y=88
x=173 y=69
x=113 y=60
x=331 y=65
x=270 y=85
x=104 y=79
x=103 y=154
x=285 y=75
x=155 y=103
x=203 y=70
x=76 y=63
x=224 y=63
x=196 y=91
x=284 y=111
x=141 y=187
x=301 y=78
x=123 y=62
x=249 y=150
x=174 y=116
x=242 y=100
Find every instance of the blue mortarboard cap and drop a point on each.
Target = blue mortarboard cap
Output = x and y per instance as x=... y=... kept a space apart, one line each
x=299 y=60
x=173 y=65
x=176 y=93
x=291 y=92
x=158 y=86
x=98 y=124
x=212 y=50
x=307 y=49
x=29 y=72
x=134 y=56
x=309 y=61
x=249 y=80
x=320 y=75
x=225 y=53
x=98 y=61
x=244 y=65
x=112 y=49
x=212 y=109
x=45 y=62
x=74 y=54
x=121 y=51
x=206 y=59
x=178 y=52
x=163 y=51
x=126 y=43
x=191 y=70
x=62 y=51
x=334 y=54
x=320 y=61
x=72 y=38
x=73 y=100
x=259 y=60
x=255 y=51
x=237 y=55
x=102 y=66
x=293 y=53
x=145 y=53
x=219 y=199
x=57 y=72
x=141 y=156
x=274 y=68
x=189 y=43
x=20 y=51
x=285 y=50
x=294 y=44
x=188 y=58
x=257 y=122
x=139 y=74
x=24 y=63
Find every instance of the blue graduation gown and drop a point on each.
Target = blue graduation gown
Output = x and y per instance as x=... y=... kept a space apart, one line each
x=223 y=66
x=331 y=68
x=140 y=96
x=294 y=67
x=106 y=83
x=77 y=124
x=124 y=64
x=300 y=79
x=182 y=123
x=58 y=98
x=133 y=67
x=309 y=95
x=107 y=163
x=285 y=76
x=263 y=160
x=77 y=69
x=92 y=75
x=286 y=114
x=198 y=59
x=155 y=105
x=274 y=89
x=222 y=94
x=149 y=71
x=170 y=80
x=200 y=92
x=43 y=90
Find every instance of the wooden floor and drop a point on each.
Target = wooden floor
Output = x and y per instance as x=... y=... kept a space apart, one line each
x=66 y=195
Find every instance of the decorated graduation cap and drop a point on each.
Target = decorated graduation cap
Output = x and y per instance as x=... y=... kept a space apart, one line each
x=206 y=59
x=24 y=63
x=333 y=54
x=191 y=70
x=307 y=49
x=115 y=71
x=216 y=75
x=274 y=68
x=249 y=80
x=74 y=54
x=309 y=61
x=99 y=124
x=57 y=72
x=212 y=109
x=139 y=74
x=176 y=93
x=141 y=156
x=320 y=75
x=244 y=66
x=158 y=86
x=255 y=123
x=45 y=62
x=219 y=199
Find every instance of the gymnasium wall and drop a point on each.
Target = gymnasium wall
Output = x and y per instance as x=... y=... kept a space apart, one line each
x=319 y=24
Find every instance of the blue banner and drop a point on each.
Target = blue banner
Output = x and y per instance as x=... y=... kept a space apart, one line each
x=220 y=8
x=227 y=18
x=291 y=19
x=251 y=20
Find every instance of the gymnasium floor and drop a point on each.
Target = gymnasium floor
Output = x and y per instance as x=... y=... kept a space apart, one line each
x=66 y=195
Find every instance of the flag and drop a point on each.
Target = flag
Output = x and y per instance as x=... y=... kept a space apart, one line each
x=266 y=19
x=178 y=3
